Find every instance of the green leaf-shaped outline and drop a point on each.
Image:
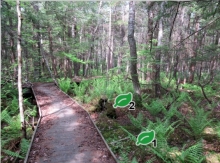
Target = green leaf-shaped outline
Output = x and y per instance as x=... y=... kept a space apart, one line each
x=116 y=103
x=138 y=142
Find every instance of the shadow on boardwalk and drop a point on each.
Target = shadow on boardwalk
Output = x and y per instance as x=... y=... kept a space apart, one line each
x=65 y=134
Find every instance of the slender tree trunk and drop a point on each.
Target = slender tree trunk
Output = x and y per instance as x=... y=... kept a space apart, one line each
x=158 y=57
x=149 y=35
x=119 y=61
x=158 y=60
x=109 y=48
x=37 y=59
x=75 y=37
x=133 y=50
x=53 y=59
x=192 y=66
x=26 y=63
x=12 y=44
x=23 y=125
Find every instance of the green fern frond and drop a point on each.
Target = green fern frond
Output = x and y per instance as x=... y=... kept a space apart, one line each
x=13 y=107
x=5 y=142
x=134 y=160
x=5 y=116
x=193 y=154
x=13 y=129
x=24 y=147
x=137 y=122
x=161 y=153
x=31 y=111
x=155 y=107
x=151 y=160
x=131 y=136
x=201 y=118
x=10 y=153
x=64 y=84
x=162 y=128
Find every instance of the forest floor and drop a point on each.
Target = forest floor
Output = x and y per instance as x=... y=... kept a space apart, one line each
x=119 y=141
x=65 y=133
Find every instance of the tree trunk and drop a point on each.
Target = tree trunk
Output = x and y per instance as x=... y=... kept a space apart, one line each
x=149 y=36
x=37 y=59
x=192 y=66
x=53 y=59
x=157 y=60
x=158 y=57
x=109 y=48
x=23 y=125
x=133 y=50
x=12 y=44
x=75 y=37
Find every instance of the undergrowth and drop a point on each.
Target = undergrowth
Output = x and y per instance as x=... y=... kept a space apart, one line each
x=12 y=144
x=64 y=84
x=167 y=117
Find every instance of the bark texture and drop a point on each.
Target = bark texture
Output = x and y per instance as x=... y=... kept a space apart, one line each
x=20 y=97
x=133 y=50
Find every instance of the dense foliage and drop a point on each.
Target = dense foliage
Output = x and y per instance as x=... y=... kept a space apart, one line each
x=84 y=47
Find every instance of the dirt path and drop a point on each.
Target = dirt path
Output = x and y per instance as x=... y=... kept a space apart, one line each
x=65 y=134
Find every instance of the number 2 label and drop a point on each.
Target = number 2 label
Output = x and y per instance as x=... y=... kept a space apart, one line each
x=132 y=105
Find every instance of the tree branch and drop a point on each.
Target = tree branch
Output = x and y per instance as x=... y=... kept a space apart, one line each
x=197 y=31
x=174 y=21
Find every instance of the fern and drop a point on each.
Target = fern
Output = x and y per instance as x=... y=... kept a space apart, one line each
x=172 y=112
x=155 y=107
x=162 y=128
x=13 y=130
x=80 y=91
x=193 y=154
x=183 y=97
x=134 y=160
x=31 y=111
x=10 y=153
x=5 y=142
x=151 y=160
x=217 y=128
x=13 y=107
x=5 y=117
x=124 y=158
x=130 y=135
x=64 y=84
x=161 y=153
x=137 y=122
x=24 y=147
x=198 y=122
x=8 y=91
x=74 y=58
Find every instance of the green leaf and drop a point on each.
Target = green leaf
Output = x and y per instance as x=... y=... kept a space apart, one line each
x=123 y=100
x=74 y=58
x=145 y=137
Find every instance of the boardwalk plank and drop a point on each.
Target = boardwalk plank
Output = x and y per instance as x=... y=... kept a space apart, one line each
x=66 y=133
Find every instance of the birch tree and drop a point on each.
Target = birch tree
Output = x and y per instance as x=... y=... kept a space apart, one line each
x=19 y=71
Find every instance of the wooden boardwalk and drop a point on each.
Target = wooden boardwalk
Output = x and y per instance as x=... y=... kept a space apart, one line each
x=65 y=134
